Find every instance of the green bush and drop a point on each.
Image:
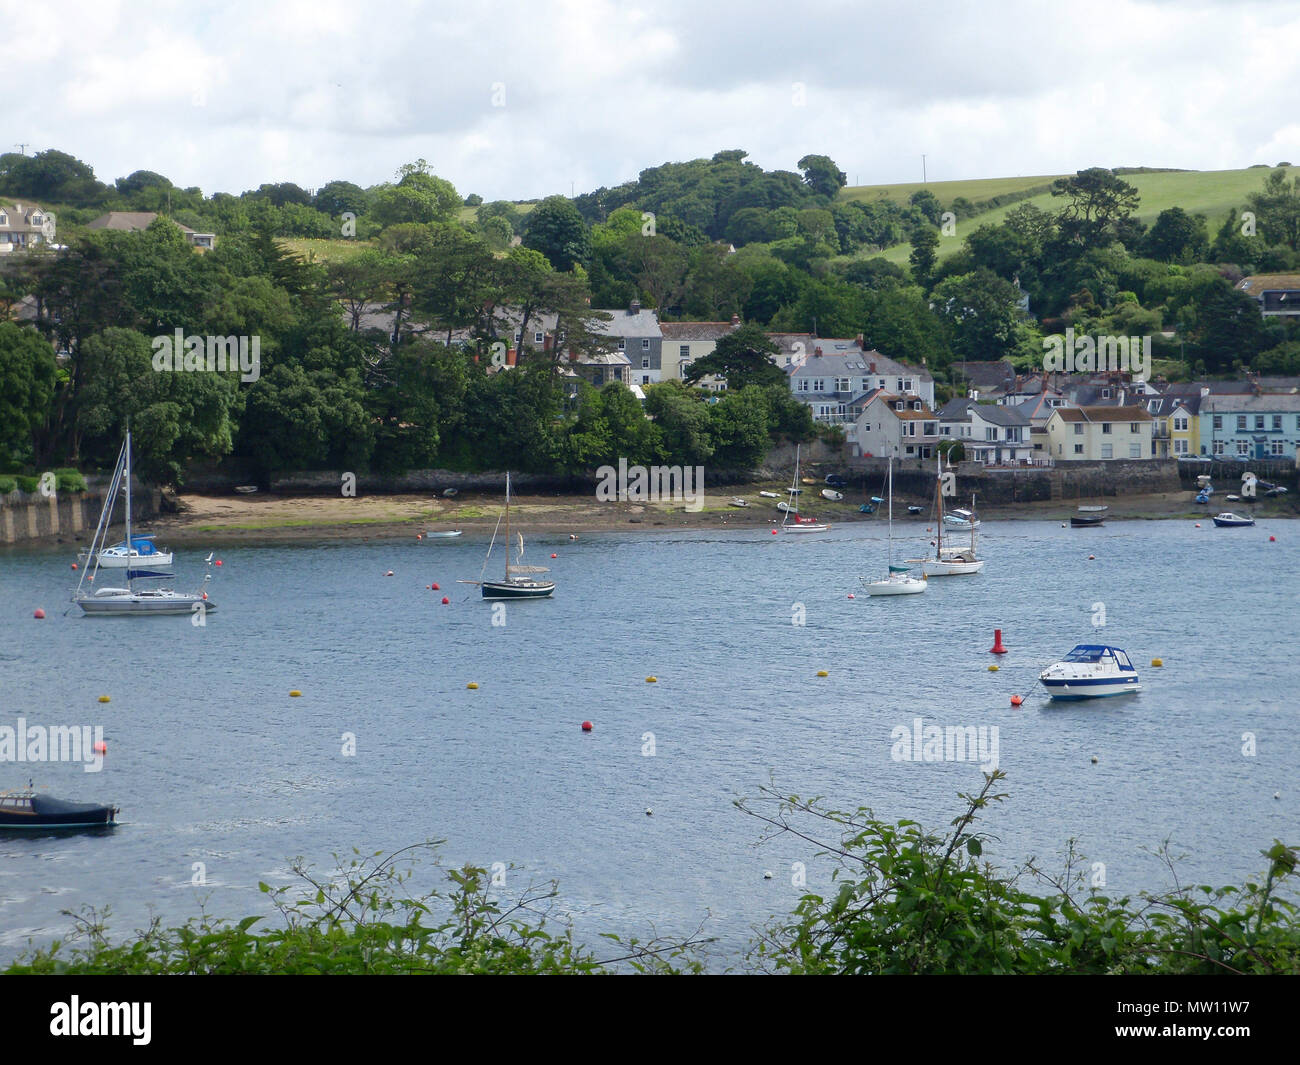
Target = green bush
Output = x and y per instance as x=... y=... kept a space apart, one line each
x=7 y=485
x=29 y=484
x=70 y=481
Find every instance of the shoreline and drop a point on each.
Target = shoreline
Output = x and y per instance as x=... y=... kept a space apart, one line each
x=228 y=519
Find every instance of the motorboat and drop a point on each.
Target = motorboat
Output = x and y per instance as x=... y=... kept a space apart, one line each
x=1091 y=671
x=960 y=518
x=832 y=495
x=25 y=809
x=141 y=550
x=446 y=534
x=1230 y=520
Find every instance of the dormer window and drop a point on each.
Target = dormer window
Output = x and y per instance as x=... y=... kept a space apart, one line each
x=900 y=405
x=1105 y=393
x=916 y=405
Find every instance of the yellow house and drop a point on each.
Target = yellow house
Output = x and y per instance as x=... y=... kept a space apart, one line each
x=684 y=342
x=1092 y=434
x=1176 y=429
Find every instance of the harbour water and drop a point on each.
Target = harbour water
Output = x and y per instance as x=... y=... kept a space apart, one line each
x=219 y=772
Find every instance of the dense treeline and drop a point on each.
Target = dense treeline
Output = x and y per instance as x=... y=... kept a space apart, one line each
x=361 y=357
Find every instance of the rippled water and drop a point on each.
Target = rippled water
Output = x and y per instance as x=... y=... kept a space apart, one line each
x=211 y=761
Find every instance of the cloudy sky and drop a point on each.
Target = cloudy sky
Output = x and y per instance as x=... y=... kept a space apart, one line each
x=517 y=100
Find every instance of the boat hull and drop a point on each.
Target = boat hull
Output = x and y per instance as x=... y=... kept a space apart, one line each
x=1077 y=522
x=1233 y=523
x=805 y=527
x=1090 y=688
x=48 y=814
x=909 y=586
x=143 y=604
x=943 y=567
x=518 y=589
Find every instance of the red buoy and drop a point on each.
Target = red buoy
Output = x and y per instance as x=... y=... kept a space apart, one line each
x=445 y=600
x=1271 y=540
x=74 y=565
x=218 y=562
x=1016 y=700
x=435 y=587
x=586 y=726
x=101 y=747
x=38 y=613
x=997 y=648
x=773 y=532
x=851 y=596
x=553 y=555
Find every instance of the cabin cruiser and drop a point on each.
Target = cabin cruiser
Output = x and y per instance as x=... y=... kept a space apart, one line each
x=1091 y=671
x=1230 y=520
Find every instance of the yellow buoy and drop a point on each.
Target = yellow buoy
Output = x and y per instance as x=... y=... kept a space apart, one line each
x=104 y=699
x=1157 y=662
x=472 y=686
x=993 y=669
x=652 y=680
x=822 y=673
x=295 y=693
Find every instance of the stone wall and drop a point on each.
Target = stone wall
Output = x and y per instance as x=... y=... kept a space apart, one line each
x=68 y=516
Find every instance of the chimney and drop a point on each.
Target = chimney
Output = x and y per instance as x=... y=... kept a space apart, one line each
x=872 y=368
x=817 y=352
x=859 y=342
x=735 y=320
x=635 y=307
x=1204 y=391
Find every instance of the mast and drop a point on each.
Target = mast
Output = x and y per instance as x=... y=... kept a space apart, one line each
x=938 y=499
x=507 y=524
x=129 y=585
x=891 y=512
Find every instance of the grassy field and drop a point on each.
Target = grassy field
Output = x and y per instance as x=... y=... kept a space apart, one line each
x=1209 y=192
x=314 y=249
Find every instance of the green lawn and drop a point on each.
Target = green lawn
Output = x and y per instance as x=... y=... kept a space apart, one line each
x=314 y=249
x=1209 y=192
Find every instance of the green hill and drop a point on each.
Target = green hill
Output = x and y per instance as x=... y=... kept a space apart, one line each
x=1209 y=192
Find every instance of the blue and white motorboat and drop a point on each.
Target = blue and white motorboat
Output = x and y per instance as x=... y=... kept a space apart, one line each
x=960 y=518
x=1230 y=520
x=1091 y=671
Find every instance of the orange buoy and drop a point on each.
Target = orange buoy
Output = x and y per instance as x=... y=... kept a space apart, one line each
x=74 y=565
x=100 y=747
x=997 y=648
x=445 y=600
x=38 y=613
x=1198 y=524
x=205 y=597
x=586 y=726
x=1016 y=700
x=851 y=595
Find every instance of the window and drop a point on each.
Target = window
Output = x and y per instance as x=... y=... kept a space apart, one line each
x=1105 y=428
x=645 y=344
x=1275 y=447
x=928 y=429
x=843 y=384
x=900 y=405
x=1277 y=422
x=1105 y=393
x=819 y=384
x=1180 y=423
x=539 y=337
x=1259 y=421
x=1078 y=449
x=916 y=404
x=1218 y=447
x=991 y=432
x=622 y=345
x=907 y=385
x=1107 y=451
x=1078 y=429
x=645 y=378
x=802 y=386
x=1241 y=423
x=943 y=430
x=1243 y=448
x=1135 y=451
x=1180 y=447
x=900 y=384
x=1134 y=427
x=645 y=362
x=866 y=384
x=1218 y=421
x=685 y=352
x=518 y=336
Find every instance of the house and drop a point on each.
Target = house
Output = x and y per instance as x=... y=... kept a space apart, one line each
x=603 y=367
x=1256 y=425
x=991 y=433
x=134 y=221
x=23 y=227
x=636 y=334
x=1076 y=434
x=836 y=374
x=684 y=342
x=1177 y=428
x=1276 y=294
x=890 y=424
x=1038 y=410
x=986 y=380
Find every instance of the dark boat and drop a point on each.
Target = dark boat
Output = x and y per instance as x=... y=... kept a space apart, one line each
x=1086 y=521
x=26 y=809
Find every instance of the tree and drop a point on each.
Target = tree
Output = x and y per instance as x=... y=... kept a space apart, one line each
x=925 y=244
x=740 y=358
x=52 y=176
x=1176 y=237
x=556 y=229
x=418 y=197
x=1097 y=201
x=1277 y=210
x=335 y=197
x=27 y=381
x=984 y=316
x=280 y=193
x=822 y=175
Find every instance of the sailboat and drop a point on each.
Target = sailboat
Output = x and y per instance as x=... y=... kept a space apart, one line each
x=130 y=601
x=948 y=561
x=897 y=581
x=517 y=584
x=799 y=525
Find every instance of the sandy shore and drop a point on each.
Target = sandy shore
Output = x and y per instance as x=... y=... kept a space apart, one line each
x=266 y=517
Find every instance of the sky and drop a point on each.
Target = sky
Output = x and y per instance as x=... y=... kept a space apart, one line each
x=527 y=99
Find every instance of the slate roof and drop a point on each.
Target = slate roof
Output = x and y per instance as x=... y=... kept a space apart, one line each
x=1246 y=404
x=683 y=332
x=1258 y=284
x=130 y=221
x=625 y=324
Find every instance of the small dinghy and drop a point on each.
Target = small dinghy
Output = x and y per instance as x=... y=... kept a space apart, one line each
x=446 y=534
x=27 y=810
x=738 y=502
x=832 y=495
x=1086 y=521
x=1229 y=520
x=914 y=509
x=770 y=495
x=1091 y=671
x=245 y=489
x=785 y=508
x=449 y=492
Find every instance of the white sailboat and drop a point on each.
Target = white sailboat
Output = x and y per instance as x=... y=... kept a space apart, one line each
x=897 y=581
x=518 y=582
x=948 y=561
x=130 y=601
x=799 y=525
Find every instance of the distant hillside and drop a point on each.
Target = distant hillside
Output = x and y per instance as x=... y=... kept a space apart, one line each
x=1209 y=192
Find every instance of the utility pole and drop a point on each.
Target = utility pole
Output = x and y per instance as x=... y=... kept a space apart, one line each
x=923 y=170
x=22 y=148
